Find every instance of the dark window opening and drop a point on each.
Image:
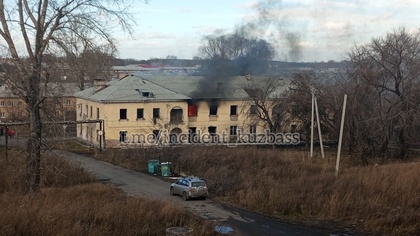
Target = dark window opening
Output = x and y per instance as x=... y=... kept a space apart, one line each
x=212 y=130
x=145 y=94
x=123 y=136
x=213 y=110
x=140 y=113
x=176 y=115
x=252 y=129
x=156 y=134
x=254 y=109
x=156 y=113
x=123 y=114
x=97 y=113
x=293 y=128
x=192 y=133
x=233 y=110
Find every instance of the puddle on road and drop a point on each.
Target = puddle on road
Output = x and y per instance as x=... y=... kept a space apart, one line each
x=223 y=229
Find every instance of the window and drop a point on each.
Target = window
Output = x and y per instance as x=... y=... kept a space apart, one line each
x=233 y=130
x=20 y=104
x=155 y=134
x=91 y=111
x=97 y=113
x=212 y=130
x=68 y=102
x=213 y=110
x=252 y=129
x=176 y=115
x=192 y=133
x=2 y=104
x=140 y=113
x=87 y=110
x=123 y=114
x=233 y=110
x=254 y=110
x=192 y=110
x=293 y=128
x=10 y=103
x=145 y=94
x=2 y=115
x=156 y=112
x=123 y=136
x=57 y=112
x=20 y=114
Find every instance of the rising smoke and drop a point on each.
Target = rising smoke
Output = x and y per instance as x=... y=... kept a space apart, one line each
x=263 y=33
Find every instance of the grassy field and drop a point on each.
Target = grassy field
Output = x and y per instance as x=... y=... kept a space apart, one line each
x=382 y=198
x=71 y=202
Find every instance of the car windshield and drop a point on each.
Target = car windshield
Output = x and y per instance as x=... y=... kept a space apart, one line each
x=198 y=184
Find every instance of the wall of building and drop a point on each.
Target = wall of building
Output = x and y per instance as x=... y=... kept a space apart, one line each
x=114 y=125
x=224 y=119
x=141 y=131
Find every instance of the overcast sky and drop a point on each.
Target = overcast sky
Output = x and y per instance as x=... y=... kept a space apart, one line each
x=301 y=30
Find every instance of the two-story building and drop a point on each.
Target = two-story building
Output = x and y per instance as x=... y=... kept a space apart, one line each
x=160 y=109
x=59 y=105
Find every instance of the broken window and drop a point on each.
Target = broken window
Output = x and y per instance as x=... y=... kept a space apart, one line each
x=213 y=110
x=192 y=110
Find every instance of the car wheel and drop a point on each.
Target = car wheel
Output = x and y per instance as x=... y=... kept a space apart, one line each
x=171 y=191
x=185 y=196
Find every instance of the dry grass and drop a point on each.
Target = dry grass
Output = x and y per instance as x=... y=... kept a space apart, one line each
x=91 y=209
x=72 y=203
x=381 y=199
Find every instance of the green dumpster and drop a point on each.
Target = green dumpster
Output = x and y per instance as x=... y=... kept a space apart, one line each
x=166 y=168
x=153 y=166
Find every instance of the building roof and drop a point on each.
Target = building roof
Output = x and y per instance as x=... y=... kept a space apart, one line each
x=131 y=89
x=62 y=89
x=231 y=88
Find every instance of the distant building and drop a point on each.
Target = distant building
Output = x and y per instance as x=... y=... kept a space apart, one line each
x=59 y=105
x=140 y=110
x=156 y=70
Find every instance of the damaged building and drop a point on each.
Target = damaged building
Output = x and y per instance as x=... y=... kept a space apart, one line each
x=139 y=110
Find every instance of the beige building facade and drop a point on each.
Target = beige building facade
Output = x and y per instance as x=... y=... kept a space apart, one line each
x=138 y=111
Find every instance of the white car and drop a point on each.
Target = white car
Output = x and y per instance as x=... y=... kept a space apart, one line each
x=189 y=187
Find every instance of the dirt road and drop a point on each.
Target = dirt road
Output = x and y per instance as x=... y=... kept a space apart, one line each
x=138 y=184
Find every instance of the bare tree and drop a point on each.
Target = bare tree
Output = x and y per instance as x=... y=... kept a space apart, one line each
x=325 y=86
x=235 y=54
x=266 y=102
x=33 y=29
x=385 y=77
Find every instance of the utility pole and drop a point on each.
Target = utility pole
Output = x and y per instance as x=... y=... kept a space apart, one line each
x=341 y=135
